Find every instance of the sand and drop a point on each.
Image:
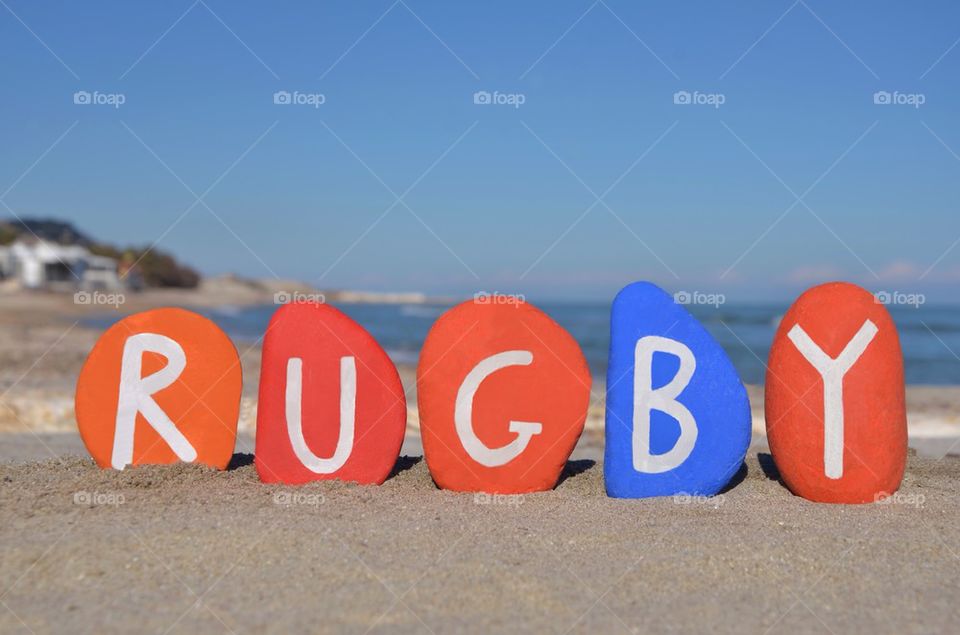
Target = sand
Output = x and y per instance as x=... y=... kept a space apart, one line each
x=188 y=549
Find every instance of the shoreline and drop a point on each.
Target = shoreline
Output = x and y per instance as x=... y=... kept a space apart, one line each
x=43 y=344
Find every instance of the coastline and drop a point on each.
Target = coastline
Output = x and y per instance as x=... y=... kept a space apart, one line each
x=44 y=342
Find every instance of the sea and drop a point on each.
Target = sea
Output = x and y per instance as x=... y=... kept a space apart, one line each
x=929 y=334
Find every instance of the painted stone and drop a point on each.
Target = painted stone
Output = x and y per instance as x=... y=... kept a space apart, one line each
x=503 y=393
x=160 y=387
x=331 y=402
x=835 y=397
x=678 y=417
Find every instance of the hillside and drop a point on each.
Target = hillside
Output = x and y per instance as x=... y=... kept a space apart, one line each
x=153 y=266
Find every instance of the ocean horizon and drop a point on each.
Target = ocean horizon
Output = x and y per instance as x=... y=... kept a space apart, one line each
x=929 y=334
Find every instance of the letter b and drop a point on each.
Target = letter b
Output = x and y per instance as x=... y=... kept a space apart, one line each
x=646 y=399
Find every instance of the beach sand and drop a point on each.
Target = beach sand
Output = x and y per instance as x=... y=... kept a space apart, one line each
x=188 y=549
x=184 y=548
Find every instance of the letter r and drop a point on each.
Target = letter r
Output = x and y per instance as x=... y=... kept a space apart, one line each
x=136 y=396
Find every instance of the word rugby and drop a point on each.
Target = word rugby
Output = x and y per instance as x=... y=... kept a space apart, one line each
x=503 y=393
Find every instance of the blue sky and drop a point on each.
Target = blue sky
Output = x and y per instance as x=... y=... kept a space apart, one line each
x=399 y=181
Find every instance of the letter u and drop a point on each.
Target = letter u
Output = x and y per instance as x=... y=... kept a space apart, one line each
x=348 y=408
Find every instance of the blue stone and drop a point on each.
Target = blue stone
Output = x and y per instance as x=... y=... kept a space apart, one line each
x=668 y=375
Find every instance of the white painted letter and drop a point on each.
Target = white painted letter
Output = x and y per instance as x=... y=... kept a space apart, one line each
x=832 y=372
x=348 y=410
x=136 y=397
x=664 y=399
x=463 y=413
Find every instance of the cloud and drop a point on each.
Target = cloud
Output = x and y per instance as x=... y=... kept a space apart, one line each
x=907 y=272
x=900 y=271
x=897 y=271
x=809 y=274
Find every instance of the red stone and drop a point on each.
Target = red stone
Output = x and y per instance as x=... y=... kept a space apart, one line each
x=335 y=353
x=160 y=387
x=532 y=391
x=817 y=457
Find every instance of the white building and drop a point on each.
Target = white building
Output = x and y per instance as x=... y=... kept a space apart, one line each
x=40 y=264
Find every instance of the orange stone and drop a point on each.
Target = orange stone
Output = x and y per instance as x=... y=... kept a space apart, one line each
x=503 y=393
x=160 y=387
x=835 y=397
